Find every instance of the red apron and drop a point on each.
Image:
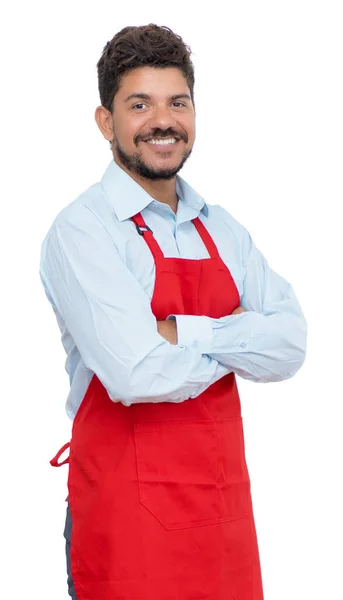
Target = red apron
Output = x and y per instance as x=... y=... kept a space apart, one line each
x=159 y=493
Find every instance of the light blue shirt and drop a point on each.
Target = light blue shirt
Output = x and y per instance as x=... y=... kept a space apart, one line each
x=99 y=275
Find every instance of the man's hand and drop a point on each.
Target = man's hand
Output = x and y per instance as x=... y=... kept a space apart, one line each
x=168 y=330
x=238 y=310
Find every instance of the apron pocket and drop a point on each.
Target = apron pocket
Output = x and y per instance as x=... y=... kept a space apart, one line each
x=192 y=473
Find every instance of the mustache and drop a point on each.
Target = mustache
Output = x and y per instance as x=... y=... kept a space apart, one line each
x=162 y=134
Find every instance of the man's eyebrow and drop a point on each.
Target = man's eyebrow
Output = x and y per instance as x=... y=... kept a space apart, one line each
x=142 y=96
x=177 y=96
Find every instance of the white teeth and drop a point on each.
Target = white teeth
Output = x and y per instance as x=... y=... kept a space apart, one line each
x=162 y=142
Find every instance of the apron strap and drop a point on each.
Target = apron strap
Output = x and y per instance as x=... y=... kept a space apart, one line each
x=148 y=236
x=206 y=238
x=54 y=461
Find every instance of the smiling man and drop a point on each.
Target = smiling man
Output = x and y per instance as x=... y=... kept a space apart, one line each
x=152 y=134
x=161 y=299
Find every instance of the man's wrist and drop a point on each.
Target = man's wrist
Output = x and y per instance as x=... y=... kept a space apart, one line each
x=194 y=332
x=168 y=330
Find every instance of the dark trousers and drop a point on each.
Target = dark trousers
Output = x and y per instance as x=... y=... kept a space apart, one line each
x=67 y=535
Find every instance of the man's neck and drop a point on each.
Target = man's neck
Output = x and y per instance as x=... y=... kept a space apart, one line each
x=160 y=189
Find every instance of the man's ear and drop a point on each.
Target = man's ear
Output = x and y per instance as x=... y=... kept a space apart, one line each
x=104 y=121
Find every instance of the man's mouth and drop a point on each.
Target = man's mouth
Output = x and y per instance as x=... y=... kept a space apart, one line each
x=162 y=141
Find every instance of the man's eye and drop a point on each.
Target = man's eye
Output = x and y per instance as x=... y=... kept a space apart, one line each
x=141 y=104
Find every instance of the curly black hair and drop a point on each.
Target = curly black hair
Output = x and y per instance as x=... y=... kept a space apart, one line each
x=146 y=45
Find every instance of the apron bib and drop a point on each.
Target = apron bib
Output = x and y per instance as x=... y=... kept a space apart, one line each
x=159 y=493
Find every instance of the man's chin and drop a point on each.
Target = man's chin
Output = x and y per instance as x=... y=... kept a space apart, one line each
x=158 y=174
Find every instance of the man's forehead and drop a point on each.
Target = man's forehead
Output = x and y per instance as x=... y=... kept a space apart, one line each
x=150 y=80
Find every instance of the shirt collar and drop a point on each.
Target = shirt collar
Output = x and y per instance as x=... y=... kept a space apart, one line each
x=129 y=198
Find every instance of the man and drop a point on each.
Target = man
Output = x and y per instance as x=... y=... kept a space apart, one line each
x=161 y=300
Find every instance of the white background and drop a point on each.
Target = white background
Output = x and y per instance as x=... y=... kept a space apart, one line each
x=269 y=149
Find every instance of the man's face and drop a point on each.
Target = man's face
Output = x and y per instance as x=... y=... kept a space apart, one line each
x=153 y=105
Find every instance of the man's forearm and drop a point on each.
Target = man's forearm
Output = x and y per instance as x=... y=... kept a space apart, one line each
x=267 y=348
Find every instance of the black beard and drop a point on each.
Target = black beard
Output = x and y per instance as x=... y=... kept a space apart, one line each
x=134 y=162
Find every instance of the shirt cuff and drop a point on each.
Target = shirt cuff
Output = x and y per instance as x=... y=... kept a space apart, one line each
x=194 y=332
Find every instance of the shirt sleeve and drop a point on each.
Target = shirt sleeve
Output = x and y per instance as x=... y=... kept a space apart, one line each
x=266 y=343
x=109 y=316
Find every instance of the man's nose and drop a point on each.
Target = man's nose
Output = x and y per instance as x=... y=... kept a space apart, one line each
x=161 y=118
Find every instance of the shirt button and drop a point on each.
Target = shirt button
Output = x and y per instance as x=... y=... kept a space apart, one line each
x=195 y=344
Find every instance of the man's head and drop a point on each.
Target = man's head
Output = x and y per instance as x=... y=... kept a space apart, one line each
x=146 y=86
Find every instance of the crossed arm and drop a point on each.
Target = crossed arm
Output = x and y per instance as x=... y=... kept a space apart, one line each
x=108 y=316
x=264 y=339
